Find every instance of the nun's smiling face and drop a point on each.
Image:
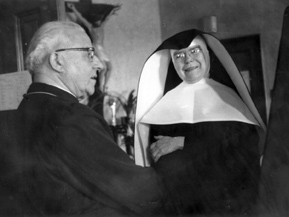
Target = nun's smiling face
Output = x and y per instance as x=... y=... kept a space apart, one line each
x=192 y=63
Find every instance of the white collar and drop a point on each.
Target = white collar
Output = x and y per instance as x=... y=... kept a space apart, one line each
x=204 y=101
x=64 y=90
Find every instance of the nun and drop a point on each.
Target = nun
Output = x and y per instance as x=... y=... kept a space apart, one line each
x=198 y=127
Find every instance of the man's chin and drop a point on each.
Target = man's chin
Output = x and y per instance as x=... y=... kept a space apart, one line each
x=84 y=101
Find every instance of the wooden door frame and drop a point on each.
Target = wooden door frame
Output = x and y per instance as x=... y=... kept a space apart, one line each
x=246 y=53
x=21 y=19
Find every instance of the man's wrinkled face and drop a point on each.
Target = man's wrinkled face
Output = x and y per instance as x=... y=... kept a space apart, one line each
x=192 y=63
x=80 y=67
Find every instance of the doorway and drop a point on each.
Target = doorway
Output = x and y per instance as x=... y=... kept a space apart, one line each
x=246 y=53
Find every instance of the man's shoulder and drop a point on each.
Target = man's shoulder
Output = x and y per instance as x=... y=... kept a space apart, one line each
x=71 y=111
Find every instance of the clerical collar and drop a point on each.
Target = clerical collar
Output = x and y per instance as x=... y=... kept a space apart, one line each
x=41 y=88
x=65 y=90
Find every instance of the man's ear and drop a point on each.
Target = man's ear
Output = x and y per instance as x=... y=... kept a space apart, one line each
x=56 y=62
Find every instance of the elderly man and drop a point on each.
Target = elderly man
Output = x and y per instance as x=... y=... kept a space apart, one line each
x=69 y=161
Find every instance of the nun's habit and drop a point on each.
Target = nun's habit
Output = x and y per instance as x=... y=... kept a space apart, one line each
x=217 y=171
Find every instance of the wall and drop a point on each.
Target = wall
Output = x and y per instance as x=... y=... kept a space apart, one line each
x=130 y=37
x=141 y=25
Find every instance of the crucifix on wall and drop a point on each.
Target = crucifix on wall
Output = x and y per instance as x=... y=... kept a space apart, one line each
x=93 y=17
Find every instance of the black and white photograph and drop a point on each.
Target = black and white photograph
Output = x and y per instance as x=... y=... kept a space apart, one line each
x=144 y=108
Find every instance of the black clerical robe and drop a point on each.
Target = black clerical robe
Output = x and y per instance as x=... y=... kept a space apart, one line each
x=71 y=165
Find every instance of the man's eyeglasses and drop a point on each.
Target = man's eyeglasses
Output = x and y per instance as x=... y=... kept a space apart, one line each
x=90 y=51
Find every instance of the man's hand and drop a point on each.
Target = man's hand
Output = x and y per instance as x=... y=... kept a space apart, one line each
x=165 y=145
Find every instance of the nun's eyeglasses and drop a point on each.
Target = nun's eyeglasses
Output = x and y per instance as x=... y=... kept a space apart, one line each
x=90 y=51
x=192 y=52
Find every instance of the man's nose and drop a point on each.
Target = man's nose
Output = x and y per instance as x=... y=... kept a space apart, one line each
x=97 y=64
